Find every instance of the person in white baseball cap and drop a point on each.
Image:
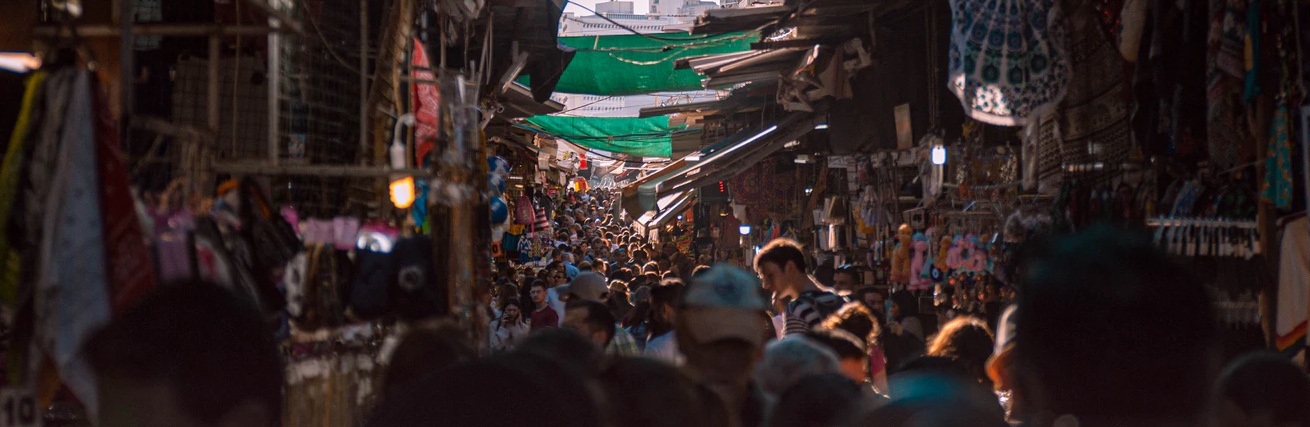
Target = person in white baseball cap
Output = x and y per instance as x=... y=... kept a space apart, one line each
x=721 y=329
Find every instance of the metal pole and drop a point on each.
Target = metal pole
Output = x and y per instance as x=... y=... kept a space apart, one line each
x=274 y=73
x=212 y=93
x=127 y=68
x=155 y=29
x=363 y=80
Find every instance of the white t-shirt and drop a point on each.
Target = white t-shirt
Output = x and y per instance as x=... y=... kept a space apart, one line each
x=552 y=299
x=665 y=347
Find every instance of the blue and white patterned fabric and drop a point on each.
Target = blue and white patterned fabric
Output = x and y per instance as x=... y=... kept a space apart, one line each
x=1008 y=59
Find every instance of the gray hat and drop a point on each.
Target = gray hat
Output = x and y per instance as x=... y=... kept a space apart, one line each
x=725 y=286
x=589 y=286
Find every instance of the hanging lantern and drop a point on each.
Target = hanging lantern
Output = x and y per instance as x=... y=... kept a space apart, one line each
x=938 y=155
x=402 y=192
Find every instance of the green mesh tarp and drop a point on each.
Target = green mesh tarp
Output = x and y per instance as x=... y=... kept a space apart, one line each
x=635 y=64
x=648 y=137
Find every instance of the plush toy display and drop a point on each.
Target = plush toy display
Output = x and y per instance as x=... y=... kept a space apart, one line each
x=976 y=259
x=901 y=258
x=954 y=257
x=917 y=281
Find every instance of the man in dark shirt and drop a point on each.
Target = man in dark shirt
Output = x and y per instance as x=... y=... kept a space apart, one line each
x=543 y=316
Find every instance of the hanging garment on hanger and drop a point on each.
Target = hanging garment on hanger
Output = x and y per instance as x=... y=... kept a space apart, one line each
x=175 y=249
x=426 y=101
x=368 y=292
x=1278 y=161
x=73 y=298
x=1293 y=310
x=10 y=170
x=130 y=269
x=345 y=232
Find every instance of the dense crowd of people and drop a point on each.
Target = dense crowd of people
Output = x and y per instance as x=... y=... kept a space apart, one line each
x=612 y=330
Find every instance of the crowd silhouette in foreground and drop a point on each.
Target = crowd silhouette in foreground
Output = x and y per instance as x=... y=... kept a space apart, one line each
x=1105 y=330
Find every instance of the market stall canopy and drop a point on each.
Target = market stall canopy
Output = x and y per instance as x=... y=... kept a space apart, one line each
x=528 y=27
x=638 y=64
x=720 y=161
x=642 y=137
x=667 y=209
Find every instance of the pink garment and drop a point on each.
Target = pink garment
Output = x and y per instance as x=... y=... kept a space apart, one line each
x=290 y=214
x=877 y=360
x=345 y=232
x=316 y=231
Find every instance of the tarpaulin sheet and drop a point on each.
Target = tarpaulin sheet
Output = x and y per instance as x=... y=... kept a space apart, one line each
x=636 y=64
x=648 y=137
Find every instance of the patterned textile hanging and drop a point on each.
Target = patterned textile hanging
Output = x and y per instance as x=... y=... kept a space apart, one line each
x=1093 y=122
x=1008 y=63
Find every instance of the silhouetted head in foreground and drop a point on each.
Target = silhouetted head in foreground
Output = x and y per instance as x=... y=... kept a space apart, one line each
x=1111 y=331
x=189 y=354
x=1263 y=389
x=930 y=397
x=514 y=389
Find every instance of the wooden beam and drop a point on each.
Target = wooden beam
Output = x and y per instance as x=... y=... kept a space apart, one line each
x=159 y=29
x=316 y=170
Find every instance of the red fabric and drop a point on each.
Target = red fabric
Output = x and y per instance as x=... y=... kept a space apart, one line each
x=426 y=96
x=544 y=318
x=877 y=360
x=127 y=259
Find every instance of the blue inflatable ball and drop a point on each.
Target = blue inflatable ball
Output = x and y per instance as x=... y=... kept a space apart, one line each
x=499 y=210
x=495 y=184
x=498 y=166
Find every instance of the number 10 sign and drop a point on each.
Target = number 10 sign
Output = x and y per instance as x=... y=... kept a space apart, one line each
x=18 y=408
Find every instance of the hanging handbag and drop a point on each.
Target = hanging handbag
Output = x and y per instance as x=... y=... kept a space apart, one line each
x=273 y=240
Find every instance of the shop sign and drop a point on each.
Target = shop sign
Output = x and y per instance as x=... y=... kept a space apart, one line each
x=18 y=408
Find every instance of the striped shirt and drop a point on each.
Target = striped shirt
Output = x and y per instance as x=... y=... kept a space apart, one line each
x=808 y=310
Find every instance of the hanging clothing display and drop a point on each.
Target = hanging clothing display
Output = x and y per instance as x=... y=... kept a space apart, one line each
x=1229 y=136
x=71 y=289
x=1092 y=125
x=1293 y=309
x=1008 y=63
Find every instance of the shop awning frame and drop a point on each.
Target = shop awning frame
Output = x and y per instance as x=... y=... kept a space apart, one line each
x=731 y=160
x=668 y=208
x=719 y=162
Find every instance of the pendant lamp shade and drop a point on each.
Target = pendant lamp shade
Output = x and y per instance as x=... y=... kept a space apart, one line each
x=1008 y=59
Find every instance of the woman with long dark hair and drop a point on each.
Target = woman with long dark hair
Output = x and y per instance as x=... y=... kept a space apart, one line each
x=506 y=332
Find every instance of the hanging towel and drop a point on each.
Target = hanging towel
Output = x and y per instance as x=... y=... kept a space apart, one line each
x=72 y=286
x=1293 y=288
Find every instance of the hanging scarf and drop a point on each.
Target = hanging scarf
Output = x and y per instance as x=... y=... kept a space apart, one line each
x=1278 y=163
x=72 y=283
x=130 y=269
x=9 y=172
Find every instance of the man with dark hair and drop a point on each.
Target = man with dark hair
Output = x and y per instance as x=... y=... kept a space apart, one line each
x=543 y=316
x=190 y=354
x=640 y=258
x=846 y=279
x=591 y=286
x=781 y=264
x=1110 y=331
x=592 y=319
